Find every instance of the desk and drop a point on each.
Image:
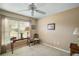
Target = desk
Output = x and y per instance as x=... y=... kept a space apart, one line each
x=74 y=48
x=13 y=40
x=28 y=41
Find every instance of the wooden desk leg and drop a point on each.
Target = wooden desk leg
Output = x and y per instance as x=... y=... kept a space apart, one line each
x=70 y=53
x=12 y=47
x=28 y=42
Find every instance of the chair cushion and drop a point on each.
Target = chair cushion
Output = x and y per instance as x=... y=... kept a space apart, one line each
x=36 y=38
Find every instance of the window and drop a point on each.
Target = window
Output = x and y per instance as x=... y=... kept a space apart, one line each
x=14 y=28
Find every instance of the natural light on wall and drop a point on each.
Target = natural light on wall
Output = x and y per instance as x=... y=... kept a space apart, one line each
x=14 y=28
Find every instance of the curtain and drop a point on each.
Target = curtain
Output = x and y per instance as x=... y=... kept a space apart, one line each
x=1 y=19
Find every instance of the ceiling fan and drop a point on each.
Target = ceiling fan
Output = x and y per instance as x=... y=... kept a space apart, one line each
x=33 y=9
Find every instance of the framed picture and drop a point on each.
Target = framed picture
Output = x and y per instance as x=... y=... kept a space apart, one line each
x=33 y=27
x=51 y=26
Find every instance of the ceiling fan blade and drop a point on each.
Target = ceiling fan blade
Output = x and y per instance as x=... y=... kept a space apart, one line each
x=23 y=10
x=40 y=11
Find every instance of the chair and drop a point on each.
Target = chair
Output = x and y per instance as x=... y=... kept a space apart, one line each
x=36 y=38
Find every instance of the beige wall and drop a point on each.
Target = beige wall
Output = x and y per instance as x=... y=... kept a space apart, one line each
x=66 y=22
x=34 y=30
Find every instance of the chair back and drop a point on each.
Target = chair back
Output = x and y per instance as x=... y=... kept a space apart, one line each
x=36 y=35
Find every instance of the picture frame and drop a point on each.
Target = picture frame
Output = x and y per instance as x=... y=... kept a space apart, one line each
x=33 y=27
x=51 y=26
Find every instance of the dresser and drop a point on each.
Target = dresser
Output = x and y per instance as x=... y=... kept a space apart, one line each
x=74 y=49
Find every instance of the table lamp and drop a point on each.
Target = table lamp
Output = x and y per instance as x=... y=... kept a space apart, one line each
x=76 y=32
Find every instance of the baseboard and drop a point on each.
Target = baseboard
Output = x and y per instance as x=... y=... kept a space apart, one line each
x=55 y=47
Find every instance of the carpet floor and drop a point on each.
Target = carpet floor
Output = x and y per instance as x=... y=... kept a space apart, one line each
x=36 y=50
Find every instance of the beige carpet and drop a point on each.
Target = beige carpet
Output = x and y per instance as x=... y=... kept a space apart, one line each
x=36 y=50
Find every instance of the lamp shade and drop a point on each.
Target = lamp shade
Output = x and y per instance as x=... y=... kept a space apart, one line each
x=76 y=31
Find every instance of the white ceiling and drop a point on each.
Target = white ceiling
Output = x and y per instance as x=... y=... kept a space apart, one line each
x=49 y=8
